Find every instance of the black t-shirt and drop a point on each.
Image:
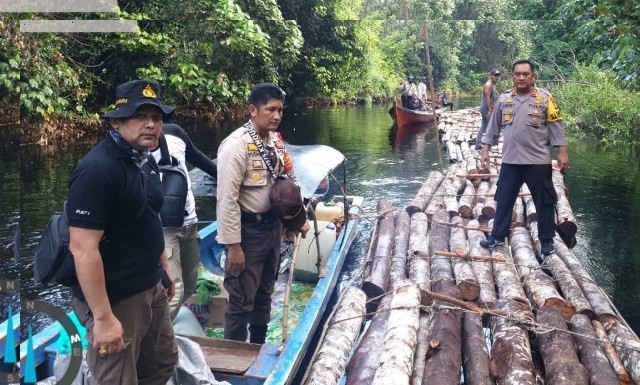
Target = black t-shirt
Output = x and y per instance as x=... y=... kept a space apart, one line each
x=109 y=191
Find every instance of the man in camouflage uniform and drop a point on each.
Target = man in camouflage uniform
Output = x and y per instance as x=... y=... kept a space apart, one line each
x=530 y=120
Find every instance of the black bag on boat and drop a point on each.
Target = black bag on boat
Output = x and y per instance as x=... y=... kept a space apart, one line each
x=175 y=187
x=53 y=258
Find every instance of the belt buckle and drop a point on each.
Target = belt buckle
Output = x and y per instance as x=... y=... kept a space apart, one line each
x=259 y=218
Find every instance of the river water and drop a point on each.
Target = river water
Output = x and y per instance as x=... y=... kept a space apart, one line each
x=604 y=188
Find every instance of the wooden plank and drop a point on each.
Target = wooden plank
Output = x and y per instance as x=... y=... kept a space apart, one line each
x=226 y=355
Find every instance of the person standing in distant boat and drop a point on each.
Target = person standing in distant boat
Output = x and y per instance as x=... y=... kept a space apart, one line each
x=422 y=90
x=489 y=97
x=530 y=120
x=409 y=94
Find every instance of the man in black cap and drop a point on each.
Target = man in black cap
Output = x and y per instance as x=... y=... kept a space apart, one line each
x=489 y=97
x=252 y=212
x=115 y=196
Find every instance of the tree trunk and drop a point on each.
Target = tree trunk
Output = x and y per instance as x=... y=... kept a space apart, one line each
x=568 y=285
x=444 y=358
x=421 y=349
x=366 y=358
x=591 y=353
x=436 y=202
x=561 y=364
x=627 y=345
x=612 y=355
x=400 y=247
x=506 y=278
x=419 y=263
x=565 y=221
x=474 y=351
x=489 y=210
x=598 y=300
x=439 y=240
x=482 y=270
x=539 y=286
x=429 y=187
x=467 y=200
x=451 y=195
x=462 y=271
x=396 y=359
x=376 y=284
x=330 y=361
x=511 y=362
x=519 y=214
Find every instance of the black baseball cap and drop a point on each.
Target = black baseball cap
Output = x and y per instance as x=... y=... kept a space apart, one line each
x=495 y=72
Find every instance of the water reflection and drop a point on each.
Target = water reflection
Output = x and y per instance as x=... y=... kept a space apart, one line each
x=34 y=185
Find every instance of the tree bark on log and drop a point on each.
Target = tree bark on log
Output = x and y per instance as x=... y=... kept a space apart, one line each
x=506 y=278
x=426 y=192
x=519 y=214
x=597 y=299
x=451 y=195
x=591 y=354
x=568 y=285
x=467 y=200
x=561 y=363
x=482 y=270
x=489 y=210
x=474 y=351
x=377 y=282
x=452 y=150
x=444 y=358
x=329 y=363
x=439 y=240
x=627 y=345
x=511 y=362
x=400 y=247
x=419 y=262
x=421 y=349
x=365 y=360
x=465 y=278
x=396 y=359
x=539 y=287
x=612 y=355
x=565 y=221
x=436 y=202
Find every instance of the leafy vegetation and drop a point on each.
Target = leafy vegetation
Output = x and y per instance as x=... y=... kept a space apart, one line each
x=594 y=103
x=208 y=53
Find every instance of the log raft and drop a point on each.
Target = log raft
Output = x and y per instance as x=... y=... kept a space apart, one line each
x=524 y=299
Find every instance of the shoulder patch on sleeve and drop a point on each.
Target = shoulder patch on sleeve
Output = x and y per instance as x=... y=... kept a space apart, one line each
x=553 y=113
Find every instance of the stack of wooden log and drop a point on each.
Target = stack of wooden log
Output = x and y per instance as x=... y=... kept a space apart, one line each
x=436 y=308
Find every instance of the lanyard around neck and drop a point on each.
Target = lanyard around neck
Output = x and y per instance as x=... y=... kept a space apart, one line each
x=263 y=153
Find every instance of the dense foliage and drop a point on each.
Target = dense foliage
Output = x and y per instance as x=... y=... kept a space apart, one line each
x=208 y=53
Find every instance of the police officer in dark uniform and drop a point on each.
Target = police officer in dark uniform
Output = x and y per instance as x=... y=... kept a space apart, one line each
x=530 y=121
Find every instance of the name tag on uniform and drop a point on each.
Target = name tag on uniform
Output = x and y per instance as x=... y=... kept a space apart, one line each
x=257 y=164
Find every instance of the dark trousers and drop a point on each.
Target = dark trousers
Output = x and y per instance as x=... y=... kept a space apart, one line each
x=538 y=179
x=250 y=290
x=483 y=127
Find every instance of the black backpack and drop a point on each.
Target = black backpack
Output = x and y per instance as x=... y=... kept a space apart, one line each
x=174 y=186
x=52 y=258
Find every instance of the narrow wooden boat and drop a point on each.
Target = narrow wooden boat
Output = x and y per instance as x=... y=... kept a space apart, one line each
x=243 y=362
x=405 y=117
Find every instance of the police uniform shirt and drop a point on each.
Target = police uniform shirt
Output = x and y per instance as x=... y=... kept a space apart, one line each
x=244 y=181
x=530 y=123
